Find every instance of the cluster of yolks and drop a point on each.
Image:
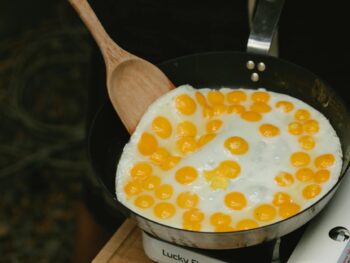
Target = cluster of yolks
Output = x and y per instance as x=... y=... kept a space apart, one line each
x=143 y=180
x=285 y=205
x=306 y=175
x=187 y=140
x=221 y=222
x=216 y=103
x=192 y=219
x=149 y=191
x=305 y=127
x=218 y=177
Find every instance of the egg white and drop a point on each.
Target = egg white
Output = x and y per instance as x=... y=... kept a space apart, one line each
x=266 y=157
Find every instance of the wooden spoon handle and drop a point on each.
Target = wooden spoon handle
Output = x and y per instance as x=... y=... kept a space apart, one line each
x=112 y=53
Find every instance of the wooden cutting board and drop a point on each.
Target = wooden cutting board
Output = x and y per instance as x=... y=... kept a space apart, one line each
x=125 y=246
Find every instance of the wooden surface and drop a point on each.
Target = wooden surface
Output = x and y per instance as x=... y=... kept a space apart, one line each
x=125 y=246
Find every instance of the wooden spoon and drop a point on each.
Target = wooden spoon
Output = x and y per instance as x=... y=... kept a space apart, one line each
x=132 y=83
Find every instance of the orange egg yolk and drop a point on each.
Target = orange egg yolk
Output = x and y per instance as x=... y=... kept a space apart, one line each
x=304 y=174
x=235 y=200
x=218 y=177
x=193 y=215
x=260 y=107
x=159 y=156
x=144 y=201
x=192 y=219
x=300 y=159
x=295 y=128
x=236 y=145
x=170 y=162
x=186 y=128
x=151 y=182
x=187 y=200
x=265 y=212
x=307 y=142
x=311 y=127
x=213 y=126
x=164 y=191
x=236 y=96
x=208 y=112
x=311 y=191
x=220 y=219
x=251 y=116
x=281 y=198
x=269 y=130
x=284 y=179
x=215 y=97
x=220 y=109
x=162 y=127
x=229 y=169
x=260 y=96
x=324 y=161
x=322 y=176
x=201 y=99
x=218 y=182
x=133 y=187
x=164 y=210
x=302 y=115
x=288 y=209
x=141 y=170
x=147 y=144
x=246 y=224
x=186 y=175
x=286 y=106
x=204 y=139
x=235 y=109
x=186 y=145
x=185 y=104
x=193 y=226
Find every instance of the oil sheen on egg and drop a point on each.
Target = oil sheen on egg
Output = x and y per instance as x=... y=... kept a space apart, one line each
x=227 y=160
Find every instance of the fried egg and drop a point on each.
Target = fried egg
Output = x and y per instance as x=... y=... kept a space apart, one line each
x=227 y=159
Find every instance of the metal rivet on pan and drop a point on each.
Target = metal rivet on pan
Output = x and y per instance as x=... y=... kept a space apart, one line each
x=250 y=65
x=261 y=66
x=254 y=77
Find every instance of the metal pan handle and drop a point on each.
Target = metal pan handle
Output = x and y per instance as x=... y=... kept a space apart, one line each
x=264 y=26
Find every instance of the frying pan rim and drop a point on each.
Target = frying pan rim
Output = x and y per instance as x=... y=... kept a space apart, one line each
x=260 y=228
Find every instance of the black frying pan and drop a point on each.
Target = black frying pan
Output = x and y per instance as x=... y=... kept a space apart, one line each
x=214 y=70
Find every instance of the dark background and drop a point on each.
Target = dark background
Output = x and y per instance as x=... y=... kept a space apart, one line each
x=52 y=82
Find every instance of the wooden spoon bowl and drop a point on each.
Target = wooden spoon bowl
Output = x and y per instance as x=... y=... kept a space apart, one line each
x=132 y=83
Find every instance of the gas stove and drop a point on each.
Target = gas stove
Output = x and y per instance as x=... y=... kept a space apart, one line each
x=325 y=239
